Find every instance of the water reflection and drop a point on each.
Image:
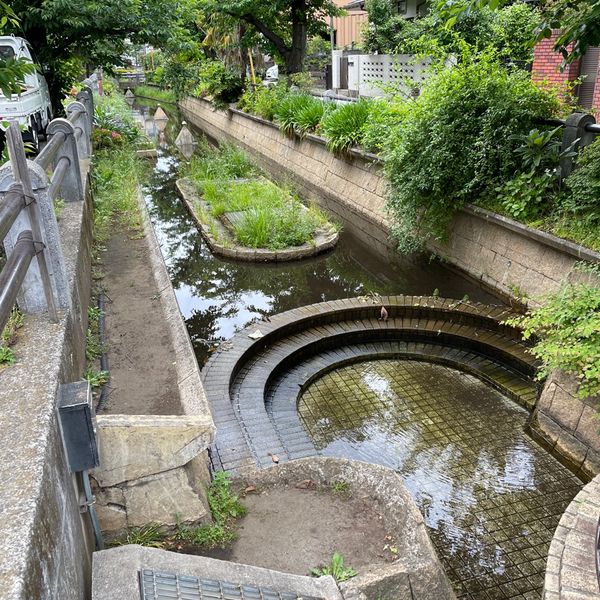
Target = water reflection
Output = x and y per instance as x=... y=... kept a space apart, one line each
x=491 y=497
x=218 y=298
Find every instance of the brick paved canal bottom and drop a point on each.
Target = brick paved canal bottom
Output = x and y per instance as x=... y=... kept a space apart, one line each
x=490 y=495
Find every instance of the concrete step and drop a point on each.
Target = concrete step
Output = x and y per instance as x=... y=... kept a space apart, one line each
x=139 y=573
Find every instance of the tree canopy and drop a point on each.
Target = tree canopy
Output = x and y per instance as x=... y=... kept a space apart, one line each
x=68 y=34
x=284 y=24
x=578 y=22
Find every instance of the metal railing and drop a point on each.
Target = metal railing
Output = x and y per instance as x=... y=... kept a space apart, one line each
x=28 y=225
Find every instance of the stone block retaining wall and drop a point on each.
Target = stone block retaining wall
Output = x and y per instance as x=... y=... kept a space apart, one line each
x=568 y=424
x=504 y=255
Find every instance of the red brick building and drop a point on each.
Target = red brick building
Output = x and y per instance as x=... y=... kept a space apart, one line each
x=546 y=67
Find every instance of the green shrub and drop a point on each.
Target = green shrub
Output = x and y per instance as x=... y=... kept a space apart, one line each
x=112 y=113
x=343 y=127
x=263 y=101
x=287 y=112
x=526 y=196
x=219 y=82
x=568 y=330
x=106 y=138
x=385 y=115
x=180 y=74
x=456 y=144
x=583 y=185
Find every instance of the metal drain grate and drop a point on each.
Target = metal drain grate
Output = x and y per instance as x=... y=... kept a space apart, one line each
x=156 y=585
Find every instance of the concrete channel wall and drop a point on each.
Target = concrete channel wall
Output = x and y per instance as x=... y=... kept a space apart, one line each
x=45 y=542
x=502 y=254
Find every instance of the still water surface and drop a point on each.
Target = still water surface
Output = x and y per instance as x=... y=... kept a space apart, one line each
x=491 y=497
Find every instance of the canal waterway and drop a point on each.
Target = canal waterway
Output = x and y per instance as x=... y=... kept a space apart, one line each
x=491 y=496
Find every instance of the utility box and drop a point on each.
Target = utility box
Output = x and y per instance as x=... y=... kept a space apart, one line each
x=78 y=425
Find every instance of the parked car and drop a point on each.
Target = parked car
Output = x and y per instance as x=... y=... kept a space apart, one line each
x=32 y=107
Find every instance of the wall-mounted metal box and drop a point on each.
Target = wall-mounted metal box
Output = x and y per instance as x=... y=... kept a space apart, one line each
x=78 y=425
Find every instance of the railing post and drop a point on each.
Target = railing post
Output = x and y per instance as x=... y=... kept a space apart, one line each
x=81 y=123
x=72 y=186
x=45 y=286
x=575 y=130
x=86 y=97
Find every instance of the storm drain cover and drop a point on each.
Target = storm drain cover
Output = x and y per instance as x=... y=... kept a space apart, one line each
x=157 y=585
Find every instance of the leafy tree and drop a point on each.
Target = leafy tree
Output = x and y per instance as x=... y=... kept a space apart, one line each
x=284 y=24
x=578 y=21
x=509 y=31
x=12 y=70
x=68 y=35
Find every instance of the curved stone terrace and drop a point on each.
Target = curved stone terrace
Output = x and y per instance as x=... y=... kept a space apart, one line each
x=438 y=389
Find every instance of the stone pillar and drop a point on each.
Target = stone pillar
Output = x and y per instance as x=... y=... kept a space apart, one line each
x=71 y=188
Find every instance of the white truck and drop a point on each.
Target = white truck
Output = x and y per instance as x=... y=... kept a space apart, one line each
x=32 y=107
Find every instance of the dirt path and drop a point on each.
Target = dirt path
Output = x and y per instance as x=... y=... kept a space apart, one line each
x=139 y=348
x=294 y=530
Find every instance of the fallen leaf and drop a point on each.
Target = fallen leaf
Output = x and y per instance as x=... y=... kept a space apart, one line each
x=305 y=484
x=249 y=489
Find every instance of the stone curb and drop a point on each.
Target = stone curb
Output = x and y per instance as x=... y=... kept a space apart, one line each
x=323 y=241
x=418 y=567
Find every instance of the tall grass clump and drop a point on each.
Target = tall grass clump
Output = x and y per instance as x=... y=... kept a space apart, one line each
x=117 y=171
x=309 y=118
x=343 y=127
x=287 y=112
x=155 y=93
x=223 y=163
x=274 y=218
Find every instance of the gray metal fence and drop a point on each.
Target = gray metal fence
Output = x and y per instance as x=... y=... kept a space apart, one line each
x=28 y=224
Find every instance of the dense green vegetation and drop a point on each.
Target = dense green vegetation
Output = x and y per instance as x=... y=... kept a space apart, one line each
x=567 y=332
x=117 y=170
x=509 y=31
x=471 y=136
x=273 y=217
x=155 y=93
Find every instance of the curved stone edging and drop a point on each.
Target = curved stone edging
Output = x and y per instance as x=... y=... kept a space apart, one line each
x=324 y=241
x=238 y=377
x=571 y=569
x=418 y=570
